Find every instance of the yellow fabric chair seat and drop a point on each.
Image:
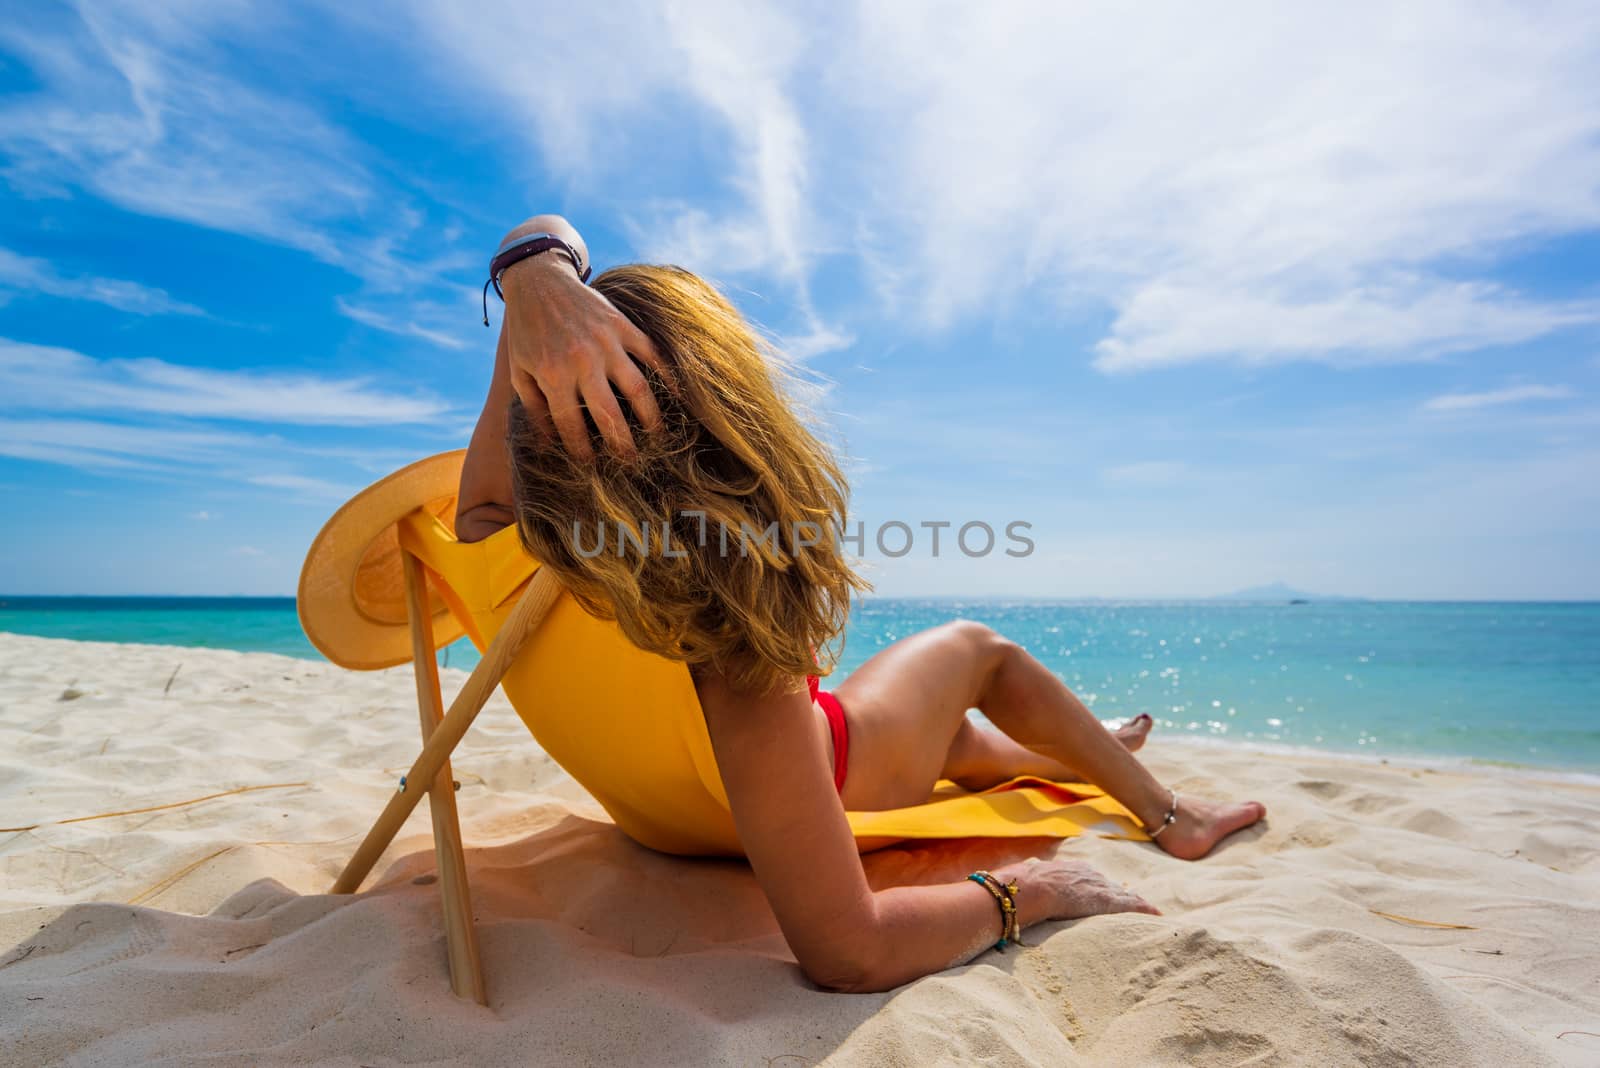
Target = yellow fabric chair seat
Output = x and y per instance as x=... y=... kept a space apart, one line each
x=627 y=724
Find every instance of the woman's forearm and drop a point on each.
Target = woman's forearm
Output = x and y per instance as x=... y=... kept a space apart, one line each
x=484 y=502
x=926 y=929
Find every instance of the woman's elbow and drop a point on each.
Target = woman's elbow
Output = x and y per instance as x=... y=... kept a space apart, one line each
x=849 y=972
x=482 y=520
x=846 y=980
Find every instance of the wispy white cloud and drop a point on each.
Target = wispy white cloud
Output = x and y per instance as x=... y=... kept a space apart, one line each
x=1494 y=398
x=146 y=107
x=403 y=328
x=1282 y=193
x=733 y=65
x=737 y=59
x=139 y=106
x=45 y=378
x=32 y=275
x=95 y=445
x=187 y=453
x=304 y=486
x=818 y=339
x=1170 y=321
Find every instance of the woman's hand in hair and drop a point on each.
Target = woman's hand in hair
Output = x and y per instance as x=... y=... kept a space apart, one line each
x=570 y=350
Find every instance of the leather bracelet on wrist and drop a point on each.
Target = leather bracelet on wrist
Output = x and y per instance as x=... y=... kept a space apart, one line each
x=520 y=248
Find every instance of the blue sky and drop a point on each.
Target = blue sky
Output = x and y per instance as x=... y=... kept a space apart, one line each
x=1211 y=296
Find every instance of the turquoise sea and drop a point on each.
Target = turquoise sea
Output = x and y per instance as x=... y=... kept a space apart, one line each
x=1497 y=682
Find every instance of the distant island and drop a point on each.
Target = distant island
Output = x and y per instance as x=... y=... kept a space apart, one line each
x=1278 y=592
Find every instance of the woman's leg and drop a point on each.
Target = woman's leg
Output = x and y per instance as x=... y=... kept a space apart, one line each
x=980 y=758
x=906 y=707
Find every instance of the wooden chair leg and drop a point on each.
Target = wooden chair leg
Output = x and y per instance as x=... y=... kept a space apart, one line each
x=530 y=611
x=461 y=938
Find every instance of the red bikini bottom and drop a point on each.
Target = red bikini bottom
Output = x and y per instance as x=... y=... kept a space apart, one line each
x=841 y=736
x=836 y=726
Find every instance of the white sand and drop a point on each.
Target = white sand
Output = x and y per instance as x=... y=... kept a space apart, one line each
x=201 y=933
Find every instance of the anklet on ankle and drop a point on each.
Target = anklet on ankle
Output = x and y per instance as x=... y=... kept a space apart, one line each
x=1171 y=818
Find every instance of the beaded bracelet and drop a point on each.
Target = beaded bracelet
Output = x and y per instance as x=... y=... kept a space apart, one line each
x=1005 y=897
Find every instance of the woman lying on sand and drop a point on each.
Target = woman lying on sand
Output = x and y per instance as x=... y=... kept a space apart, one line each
x=717 y=436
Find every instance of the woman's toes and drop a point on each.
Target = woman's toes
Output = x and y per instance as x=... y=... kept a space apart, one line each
x=1133 y=733
x=1238 y=817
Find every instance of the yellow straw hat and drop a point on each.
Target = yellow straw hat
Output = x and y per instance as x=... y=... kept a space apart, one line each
x=352 y=597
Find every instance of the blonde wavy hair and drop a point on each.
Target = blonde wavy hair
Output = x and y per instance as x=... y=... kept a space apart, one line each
x=763 y=611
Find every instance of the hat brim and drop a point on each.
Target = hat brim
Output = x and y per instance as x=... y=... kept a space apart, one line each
x=351 y=598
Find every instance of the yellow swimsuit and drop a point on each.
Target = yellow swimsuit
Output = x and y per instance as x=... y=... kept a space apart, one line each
x=627 y=724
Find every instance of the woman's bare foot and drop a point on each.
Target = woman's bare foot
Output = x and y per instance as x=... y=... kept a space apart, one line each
x=1133 y=733
x=1202 y=824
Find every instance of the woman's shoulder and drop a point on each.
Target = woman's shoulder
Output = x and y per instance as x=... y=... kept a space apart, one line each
x=720 y=694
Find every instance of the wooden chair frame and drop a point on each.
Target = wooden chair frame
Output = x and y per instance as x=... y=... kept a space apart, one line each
x=430 y=772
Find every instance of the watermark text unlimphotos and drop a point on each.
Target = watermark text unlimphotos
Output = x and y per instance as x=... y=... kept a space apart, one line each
x=893 y=539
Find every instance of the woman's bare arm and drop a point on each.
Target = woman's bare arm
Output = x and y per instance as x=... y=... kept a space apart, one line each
x=563 y=348
x=845 y=936
x=483 y=502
